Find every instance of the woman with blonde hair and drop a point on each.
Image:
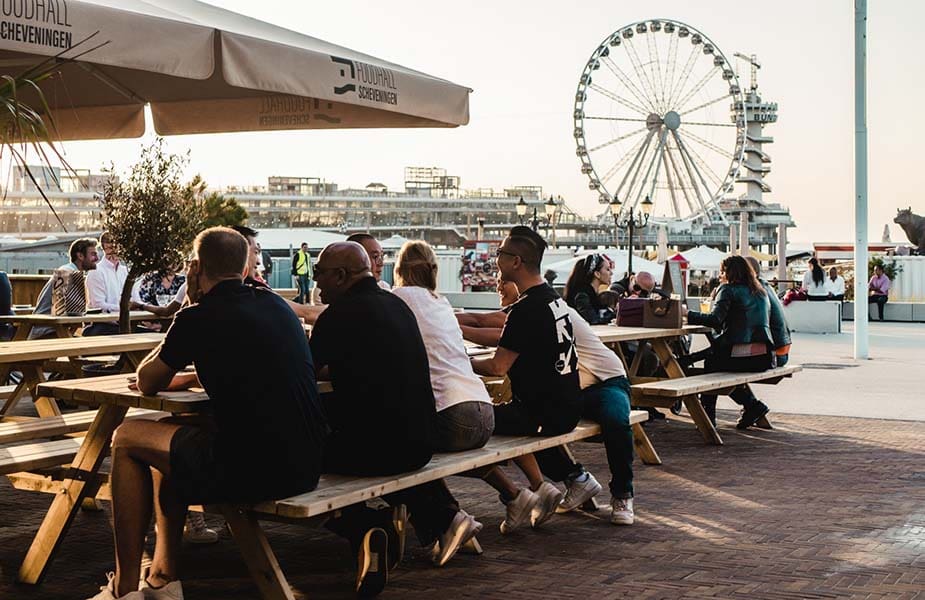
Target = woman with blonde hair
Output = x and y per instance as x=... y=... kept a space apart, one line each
x=465 y=418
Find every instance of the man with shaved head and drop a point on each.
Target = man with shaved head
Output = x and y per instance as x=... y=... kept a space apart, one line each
x=268 y=431
x=382 y=412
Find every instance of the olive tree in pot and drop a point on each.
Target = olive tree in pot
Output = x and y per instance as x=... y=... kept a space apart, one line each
x=153 y=216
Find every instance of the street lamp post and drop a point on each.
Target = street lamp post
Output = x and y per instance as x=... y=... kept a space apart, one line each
x=630 y=222
x=551 y=207
x=521 y=210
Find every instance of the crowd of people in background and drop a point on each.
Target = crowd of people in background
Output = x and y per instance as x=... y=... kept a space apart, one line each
x=559 y=372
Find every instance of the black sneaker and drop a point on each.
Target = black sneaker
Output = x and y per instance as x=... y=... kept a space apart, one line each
x=751 y=414
x=372 y=563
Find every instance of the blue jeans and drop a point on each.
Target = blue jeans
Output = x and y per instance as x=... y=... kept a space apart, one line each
x=608 y=403
x=305 y=289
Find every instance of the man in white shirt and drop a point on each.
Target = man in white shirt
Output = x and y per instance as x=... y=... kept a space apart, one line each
x=835 y=285
x=104 y=286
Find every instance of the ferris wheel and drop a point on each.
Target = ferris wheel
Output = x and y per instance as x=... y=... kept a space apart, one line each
x=659 y=113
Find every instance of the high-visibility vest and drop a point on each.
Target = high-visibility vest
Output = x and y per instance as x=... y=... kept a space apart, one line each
x=304 y=264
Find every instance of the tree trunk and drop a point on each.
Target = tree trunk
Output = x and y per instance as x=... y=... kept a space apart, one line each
x=125 y=325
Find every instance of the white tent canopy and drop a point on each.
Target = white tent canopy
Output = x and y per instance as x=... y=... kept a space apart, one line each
x=283 y=239
x=703 y=258
x=564 y=268
x=204 y=69
x=393 y=243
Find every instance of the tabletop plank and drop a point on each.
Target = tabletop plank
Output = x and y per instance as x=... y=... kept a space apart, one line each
x=612 y=333
x=36 y=350
x=51 y=320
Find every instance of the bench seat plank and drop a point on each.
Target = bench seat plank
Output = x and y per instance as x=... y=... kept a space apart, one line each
x=41 y=455
x=46 y=427
x=687 y=386
x=338 y=491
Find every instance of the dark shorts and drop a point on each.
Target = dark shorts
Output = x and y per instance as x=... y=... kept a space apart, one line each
x=194 y=471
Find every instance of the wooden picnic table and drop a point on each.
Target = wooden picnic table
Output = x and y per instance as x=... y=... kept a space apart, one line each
x=113 y=397
x=29 y=356
x=65 y=326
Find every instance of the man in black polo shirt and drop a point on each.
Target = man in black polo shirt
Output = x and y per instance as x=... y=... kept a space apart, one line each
x=382 y=411
x=268 y=430
x=537 y=352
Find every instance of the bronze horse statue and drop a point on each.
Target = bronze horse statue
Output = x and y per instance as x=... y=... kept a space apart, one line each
x=914 y=226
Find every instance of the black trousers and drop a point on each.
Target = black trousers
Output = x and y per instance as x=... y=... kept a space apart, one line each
x=879 y=300
x=720 y=360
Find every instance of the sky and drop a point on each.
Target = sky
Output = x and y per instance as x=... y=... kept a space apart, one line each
x=523 y=60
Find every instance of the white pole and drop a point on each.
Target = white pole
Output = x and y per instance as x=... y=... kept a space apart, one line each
x=782 y=251
x=743 y=234
x=860 y=180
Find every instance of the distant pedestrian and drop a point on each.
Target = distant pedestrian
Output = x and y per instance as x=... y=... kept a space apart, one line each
x=835 y=284
x=302 y=270
x=879 y=289
x=814 y=282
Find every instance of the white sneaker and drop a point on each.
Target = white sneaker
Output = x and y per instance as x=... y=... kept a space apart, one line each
x=621 y=511
x=550 y=497
x=463 y=528
x=578 y=491
x=107 y=592
x=196 y=531
x=519 y=510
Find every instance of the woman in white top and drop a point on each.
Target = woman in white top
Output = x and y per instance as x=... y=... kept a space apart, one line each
x=465 y=418
x=814 y=282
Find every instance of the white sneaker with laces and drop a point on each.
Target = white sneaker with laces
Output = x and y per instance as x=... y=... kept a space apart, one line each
x=107 y=592
x=463 y=528
x=578 y=491
x=519 y=510
x=196 y=531
x=621 y=511
x=550 y=497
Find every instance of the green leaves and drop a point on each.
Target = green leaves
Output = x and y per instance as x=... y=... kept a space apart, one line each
x=152 y=216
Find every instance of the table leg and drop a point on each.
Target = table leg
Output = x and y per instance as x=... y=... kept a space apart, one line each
x=255 y=548
x=80 y=482
x=694 y=408
x=22 y=332
x=45 y=406
x=13 y=398
x=644 y=448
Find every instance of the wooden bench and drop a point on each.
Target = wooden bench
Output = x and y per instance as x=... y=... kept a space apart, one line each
x=665 y=392
x=339 y=491
x=41 y=455
x=48 y=427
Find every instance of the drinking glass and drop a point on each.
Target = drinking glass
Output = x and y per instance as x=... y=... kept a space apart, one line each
x=705 y=305
x=164 y=299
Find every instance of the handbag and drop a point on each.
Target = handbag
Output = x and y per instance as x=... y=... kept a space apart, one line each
x=630 y=312
x=662 y=312
x=68 y=293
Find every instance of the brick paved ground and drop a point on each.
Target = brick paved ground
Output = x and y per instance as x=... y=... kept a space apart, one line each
x=822 y=507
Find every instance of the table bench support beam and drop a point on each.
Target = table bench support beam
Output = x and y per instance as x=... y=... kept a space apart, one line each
x=255 y=548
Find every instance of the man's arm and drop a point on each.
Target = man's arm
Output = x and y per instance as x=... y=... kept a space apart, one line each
x=492 y=319
x=154 y=375
x=485 y=336
x=497 y=365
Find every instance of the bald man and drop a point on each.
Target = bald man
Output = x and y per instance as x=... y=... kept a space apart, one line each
x=644 y=286
x=382 y=413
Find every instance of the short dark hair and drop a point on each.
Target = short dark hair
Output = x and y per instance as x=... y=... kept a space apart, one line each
x=245 y=231
x=79 y=246
x=359 y=238
x=529 y=245
x=222 y=252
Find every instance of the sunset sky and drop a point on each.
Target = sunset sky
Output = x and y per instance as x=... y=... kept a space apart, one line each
x=523 y=60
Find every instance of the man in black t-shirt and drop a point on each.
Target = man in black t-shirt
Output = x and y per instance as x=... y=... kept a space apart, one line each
x=382 y=411
x=268 y=430
x=537 y=352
